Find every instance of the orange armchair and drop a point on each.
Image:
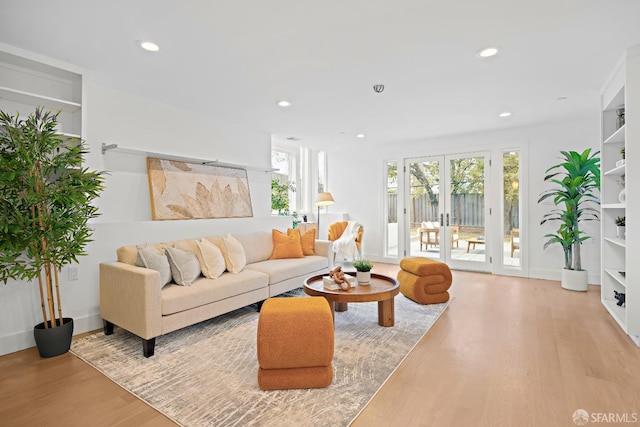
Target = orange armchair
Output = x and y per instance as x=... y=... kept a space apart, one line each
x=337 y=228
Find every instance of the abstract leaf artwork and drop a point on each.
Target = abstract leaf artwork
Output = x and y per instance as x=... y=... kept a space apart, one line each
x=181 y=190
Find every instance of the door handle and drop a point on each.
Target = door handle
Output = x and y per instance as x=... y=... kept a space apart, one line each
x=447 y=220
x=442 y=219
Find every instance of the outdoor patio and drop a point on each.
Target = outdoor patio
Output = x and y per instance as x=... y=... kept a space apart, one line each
x=460 y=253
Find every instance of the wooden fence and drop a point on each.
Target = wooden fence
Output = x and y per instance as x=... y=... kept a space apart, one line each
x=466 y=210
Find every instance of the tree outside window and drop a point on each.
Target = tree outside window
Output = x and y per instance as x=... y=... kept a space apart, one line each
x=282 y=184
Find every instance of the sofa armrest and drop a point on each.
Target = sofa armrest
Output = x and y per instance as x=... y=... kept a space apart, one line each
x=324 y=248
x=130 y=297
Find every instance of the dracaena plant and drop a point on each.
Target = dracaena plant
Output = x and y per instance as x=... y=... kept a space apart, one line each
x=45 y=200
x=576 y=193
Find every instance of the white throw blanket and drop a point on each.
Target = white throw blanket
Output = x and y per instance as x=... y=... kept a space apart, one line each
x=345 y=246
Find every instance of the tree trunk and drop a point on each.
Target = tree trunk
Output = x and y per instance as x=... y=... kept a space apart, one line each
x=577 y=261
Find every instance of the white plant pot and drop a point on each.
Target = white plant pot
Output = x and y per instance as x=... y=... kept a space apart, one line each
x=363 y=277
x=574 y=280
x=620 y=231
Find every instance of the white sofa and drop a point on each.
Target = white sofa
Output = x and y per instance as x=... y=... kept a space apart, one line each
x=132 y=297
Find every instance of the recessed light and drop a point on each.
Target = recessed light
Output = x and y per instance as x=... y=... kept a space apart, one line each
x=561 y=98
x=487 y=52
x=148 y=46
x=505 y=114
x=360 y=135
x=283 y=103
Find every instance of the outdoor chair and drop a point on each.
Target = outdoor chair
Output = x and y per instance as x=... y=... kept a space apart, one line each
x=515 y=240
x=430 y=234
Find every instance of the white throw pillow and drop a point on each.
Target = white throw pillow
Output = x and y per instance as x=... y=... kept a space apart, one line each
x=211 y=259
x=185 y=267
x=151 y=259
x=233 y=253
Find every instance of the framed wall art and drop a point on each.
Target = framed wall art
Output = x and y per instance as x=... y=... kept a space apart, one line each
x=181 y=190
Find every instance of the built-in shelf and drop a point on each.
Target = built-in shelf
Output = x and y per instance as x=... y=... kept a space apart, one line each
x=26 y=84
x=616 y=241
x=616 y=276
x=106 y=148
x=35 y=99
x=618 y=170
x=617 y=312
x=617 y=137
x=70 y=135
x=618 y=271
x=614 y=206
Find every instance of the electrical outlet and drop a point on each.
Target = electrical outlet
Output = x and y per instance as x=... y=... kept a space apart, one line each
x=73 y=273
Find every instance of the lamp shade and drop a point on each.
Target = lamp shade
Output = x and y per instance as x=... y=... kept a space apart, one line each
x=324 y=199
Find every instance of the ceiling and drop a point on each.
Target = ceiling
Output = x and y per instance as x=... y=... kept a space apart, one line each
x=234 y=59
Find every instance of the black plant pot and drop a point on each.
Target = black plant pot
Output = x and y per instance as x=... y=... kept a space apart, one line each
x=53 y=342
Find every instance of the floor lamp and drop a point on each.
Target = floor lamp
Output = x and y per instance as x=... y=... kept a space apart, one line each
x=322 y=199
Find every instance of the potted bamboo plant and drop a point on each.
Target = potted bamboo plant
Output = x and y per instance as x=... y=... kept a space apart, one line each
x=45 y=201
x=577 y=183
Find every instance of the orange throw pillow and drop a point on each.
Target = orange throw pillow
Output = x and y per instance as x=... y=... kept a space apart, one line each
x=286 y=246
x=307 y=240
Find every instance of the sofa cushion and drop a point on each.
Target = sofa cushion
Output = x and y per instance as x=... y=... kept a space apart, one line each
x=129 y=254
x=151 y=259
x=210 y=257
x=233 y=253
x=185 y=267
x=284 y=269
x=205 y=291
x=186 y=245
x=258 y=245
x=286 y=245
x=307 y=240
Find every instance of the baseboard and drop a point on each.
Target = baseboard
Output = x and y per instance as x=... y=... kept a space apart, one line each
x=24 y=339
x=536 y=273
x=592 y=279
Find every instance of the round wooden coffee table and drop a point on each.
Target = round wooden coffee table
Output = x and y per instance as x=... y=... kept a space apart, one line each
x=381 y=288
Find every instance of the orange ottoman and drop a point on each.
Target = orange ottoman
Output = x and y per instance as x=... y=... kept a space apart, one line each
x=424 y=280
x=295 y=343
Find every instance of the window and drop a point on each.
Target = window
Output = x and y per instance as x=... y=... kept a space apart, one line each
x=283 y=183
x=392 y=209
x=300 y=174
x=511 y=208
x=322 y=172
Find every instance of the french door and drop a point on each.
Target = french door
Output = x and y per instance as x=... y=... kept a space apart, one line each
x=447 y=212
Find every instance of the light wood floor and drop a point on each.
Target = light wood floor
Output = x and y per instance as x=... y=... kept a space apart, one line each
x=507 y=352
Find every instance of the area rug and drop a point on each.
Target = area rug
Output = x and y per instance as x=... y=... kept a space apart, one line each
x=206 y=374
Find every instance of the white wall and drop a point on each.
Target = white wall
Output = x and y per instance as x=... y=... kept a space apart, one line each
x=351 y=166
x=116 y=117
